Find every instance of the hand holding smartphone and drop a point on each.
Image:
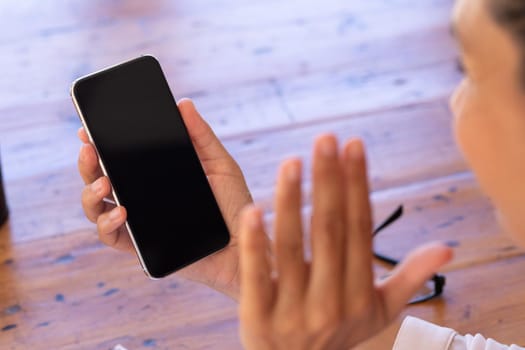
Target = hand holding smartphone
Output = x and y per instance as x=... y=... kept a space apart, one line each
x=143 y=146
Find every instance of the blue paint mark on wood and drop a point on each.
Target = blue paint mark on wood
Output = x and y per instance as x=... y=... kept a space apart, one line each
x=445 y=224
x=467 y=312
x=13 y=309
x=65 y=259
x=57 y=30
x=262 y=50
x=349 y=22
x=451 y=222
x=358 y=80
x=8 y=327
x=198 y=94
x=452 y=243
x=149 y=342
x=400 y=82
x=101 y=284
x=43 y=324
x=441 y=198
x=60 y=298
x=110 y=292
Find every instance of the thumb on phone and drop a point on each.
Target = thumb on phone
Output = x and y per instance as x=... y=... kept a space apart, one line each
x=206 y=143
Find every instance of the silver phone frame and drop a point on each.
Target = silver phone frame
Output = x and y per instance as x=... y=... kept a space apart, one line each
x=84 y=124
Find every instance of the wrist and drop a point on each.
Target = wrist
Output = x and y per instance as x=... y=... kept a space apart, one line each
x=219 y=272
x=230 y=289
x=227 y=281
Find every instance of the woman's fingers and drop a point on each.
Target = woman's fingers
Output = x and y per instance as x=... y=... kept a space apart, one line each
x=92 y=198
x=110 y=220
x=108 y=227
x=257 y=289
x=82 y=135
x=327 y=231
x=359 y=280
x=408 y=277
x=289 y=235
x=88 y=164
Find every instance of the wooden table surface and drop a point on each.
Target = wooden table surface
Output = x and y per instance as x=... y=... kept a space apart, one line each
x=268 y=75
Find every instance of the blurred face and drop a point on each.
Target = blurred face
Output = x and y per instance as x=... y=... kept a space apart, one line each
x=489 y=110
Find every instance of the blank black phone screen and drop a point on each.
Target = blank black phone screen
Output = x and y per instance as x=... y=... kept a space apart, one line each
x=149 y=158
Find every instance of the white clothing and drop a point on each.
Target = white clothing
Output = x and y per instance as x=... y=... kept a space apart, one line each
x=416 y=334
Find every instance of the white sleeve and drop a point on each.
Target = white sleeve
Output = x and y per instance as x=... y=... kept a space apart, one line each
x=417 y=334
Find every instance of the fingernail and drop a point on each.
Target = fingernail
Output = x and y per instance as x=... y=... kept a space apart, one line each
x=96 y=186
x=114 y=214
x=355 y=150
x=254 y=219
x=328 y=147
x=293 y=172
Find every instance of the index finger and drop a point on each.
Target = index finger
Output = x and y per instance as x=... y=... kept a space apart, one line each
x=88 y=159
x=88 y=164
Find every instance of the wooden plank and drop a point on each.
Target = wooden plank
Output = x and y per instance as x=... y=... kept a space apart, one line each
x=58 y=16
x=256 y=103
x=266 y=105
x=69 y=292
x=341 y=92
x=200 y=59
x=485 y=299
x=405 y=146
x=448 y=209
x=347 y=92
x=32 y=141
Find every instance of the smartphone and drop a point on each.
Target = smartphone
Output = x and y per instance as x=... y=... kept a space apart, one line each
x=144 y=148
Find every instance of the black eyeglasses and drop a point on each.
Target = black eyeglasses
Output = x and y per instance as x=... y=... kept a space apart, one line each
x=434 y=286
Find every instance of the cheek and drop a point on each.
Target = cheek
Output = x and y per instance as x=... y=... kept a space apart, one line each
x=472 y=131
x=462 y=107
x=477 y=125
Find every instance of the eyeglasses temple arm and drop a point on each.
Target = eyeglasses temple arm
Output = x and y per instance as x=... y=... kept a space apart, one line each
x=392 y=218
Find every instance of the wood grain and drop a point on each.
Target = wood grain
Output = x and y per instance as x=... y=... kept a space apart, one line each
x=70 y=292
x=269 y=76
